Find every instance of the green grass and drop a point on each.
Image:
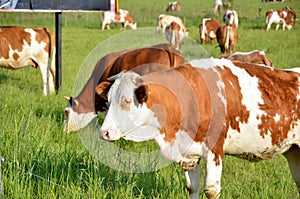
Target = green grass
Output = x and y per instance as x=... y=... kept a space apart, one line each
x=43 y=162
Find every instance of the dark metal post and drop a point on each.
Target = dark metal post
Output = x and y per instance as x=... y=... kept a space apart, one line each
x=58 y=24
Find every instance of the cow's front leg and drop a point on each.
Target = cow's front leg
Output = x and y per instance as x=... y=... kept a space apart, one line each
x=192 y=178
x=212 y=183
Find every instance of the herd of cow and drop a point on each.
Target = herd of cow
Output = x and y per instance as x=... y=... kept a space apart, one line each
x=226 y=34
x=238 y=105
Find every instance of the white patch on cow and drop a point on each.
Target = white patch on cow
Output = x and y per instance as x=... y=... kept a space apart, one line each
x=222 y=87
x=76 y=121
x=277 y=117
x=204 y=31
x=212 y=183
x=182 y=149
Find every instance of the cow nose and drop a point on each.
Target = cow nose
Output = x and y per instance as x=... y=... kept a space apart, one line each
x=67 y=112
x=104 y=134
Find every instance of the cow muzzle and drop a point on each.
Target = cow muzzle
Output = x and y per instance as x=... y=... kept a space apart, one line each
x=106 y=135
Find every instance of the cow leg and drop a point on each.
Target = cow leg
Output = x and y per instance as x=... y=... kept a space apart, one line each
x=283 y=25
x=293 y=158
x=192 y=178
x=45 y=72
x=277 y=26
x=103 y=25
x=268 y=26
x=212 y=185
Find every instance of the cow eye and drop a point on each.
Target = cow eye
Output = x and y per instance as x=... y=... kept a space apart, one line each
x=125 y=103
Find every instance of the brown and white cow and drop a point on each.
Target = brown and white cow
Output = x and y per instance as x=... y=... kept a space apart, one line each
x=206 y=109
x=208 y=30
x=82 y=109
x=121 y=16
x=175 y=33
x=231 y=17
x=255 y=57
x=21 y=47
x=286 y=17
x=174 y=6
x=227 y=37
x=163 y=20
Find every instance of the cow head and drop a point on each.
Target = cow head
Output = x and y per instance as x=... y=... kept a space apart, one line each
x=133 y=25
x=127 y=116
x=75 y=116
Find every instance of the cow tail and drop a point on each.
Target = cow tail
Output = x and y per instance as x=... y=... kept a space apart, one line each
x=227 y=37
x=51 y=57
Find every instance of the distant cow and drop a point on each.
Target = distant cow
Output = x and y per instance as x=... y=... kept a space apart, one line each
x=255 y=57
x=121 y=16
x=231 y=17
x=174 y=6
x=206 y=109
x=83 y=108
x=163 y=20
x=286 y=17
x=175 y=33
x=217 y=6
x=21 y=47
x=227 y=37
x=208 y=30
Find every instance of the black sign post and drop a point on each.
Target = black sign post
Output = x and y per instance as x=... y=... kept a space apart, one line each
x=58 y=64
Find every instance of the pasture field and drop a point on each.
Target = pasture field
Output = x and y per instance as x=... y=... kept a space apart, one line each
x=43 y=162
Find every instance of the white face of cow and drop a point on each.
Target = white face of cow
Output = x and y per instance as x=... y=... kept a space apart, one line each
x=126 y=117
x=74 y=120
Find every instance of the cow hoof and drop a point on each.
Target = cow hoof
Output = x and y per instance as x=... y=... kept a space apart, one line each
x=212 y=193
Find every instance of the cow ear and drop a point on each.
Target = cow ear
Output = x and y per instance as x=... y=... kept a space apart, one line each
x=114 y=77
x=141 y=93
x=102 y=89
x=67 y=98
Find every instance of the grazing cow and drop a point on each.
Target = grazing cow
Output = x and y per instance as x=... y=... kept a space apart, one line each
x=121 y=16
x=163 y=20
x=175 y=33
x=237 y=108
x=83 y=108
x=174 y=6
x=227 y=37
x=21 y=47
x=208 y=30
x=231 y=17
x=255 y=57
x=286 y=17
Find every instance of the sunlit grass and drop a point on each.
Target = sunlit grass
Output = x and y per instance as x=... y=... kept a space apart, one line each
x=31 y=137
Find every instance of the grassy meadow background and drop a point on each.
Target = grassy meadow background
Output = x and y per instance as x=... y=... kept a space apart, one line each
x=43 y=162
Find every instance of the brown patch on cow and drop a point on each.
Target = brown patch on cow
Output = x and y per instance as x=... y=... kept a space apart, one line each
x=117 y=16
x=234 y=109
x=199 y=86
x=14 y=38
x=211 y=25
x=128 y=18
x=114 y=63
x=227 y=37
x=16 y=56
x=279 y=91
x=167 y=109
x=44 y=34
